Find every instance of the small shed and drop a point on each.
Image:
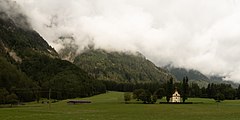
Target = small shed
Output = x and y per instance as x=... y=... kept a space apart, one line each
x=176 y=97
x=78 y=101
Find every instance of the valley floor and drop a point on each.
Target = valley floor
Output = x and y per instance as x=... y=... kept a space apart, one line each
x=110 y=106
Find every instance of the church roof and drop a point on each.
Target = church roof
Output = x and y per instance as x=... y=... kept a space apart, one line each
x=176 y=94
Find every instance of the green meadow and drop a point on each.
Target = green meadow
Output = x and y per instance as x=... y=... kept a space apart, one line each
x=110 y=106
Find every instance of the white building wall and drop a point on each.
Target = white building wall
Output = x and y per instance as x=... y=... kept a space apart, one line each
x=176 y=97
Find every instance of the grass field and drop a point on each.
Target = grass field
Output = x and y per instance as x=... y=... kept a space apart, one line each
x=110 y=106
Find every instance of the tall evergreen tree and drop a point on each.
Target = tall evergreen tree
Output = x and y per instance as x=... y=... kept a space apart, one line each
x=238 y=92
x=185 y=89
x=169 y=89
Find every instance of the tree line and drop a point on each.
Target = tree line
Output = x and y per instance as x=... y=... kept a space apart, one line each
x=166 y=90
x=213 y=91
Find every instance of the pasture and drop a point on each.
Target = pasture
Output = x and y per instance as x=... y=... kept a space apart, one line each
x=110 y=106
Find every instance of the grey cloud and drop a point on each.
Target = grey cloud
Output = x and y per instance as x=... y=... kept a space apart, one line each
x=202 y=35
x=11 y=10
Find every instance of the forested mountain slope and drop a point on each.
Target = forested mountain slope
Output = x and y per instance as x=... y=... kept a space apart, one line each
x=196 y=76
x=120 y=67
x=30 y=67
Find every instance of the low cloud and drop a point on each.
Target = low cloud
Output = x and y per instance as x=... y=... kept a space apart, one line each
x=202 y=35
x=11 y=10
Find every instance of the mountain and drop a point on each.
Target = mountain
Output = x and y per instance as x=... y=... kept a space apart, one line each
x=179 y=73
x=20 y=42
x=30 y=67
x=120 y=67
x=196 y=76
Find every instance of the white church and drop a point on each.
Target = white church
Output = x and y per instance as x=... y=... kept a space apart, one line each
x=176 y=97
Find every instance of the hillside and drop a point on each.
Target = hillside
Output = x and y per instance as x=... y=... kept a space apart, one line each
x=30 y=67
x=120 y=67
x=20 y=41
x=196 y=76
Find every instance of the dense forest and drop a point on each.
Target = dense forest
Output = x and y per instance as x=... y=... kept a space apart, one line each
x=120 y=66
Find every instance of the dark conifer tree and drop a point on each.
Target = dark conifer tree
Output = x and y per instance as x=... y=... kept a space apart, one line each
x=169 y=89
x=185 y=89
x=238 y=92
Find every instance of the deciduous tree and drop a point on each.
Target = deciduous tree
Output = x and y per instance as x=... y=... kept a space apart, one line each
x=12 y=99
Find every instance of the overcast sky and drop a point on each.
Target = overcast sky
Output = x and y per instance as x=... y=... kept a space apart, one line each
x=198 y=34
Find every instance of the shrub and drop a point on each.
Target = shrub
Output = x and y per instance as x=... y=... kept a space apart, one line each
x=127 y=97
